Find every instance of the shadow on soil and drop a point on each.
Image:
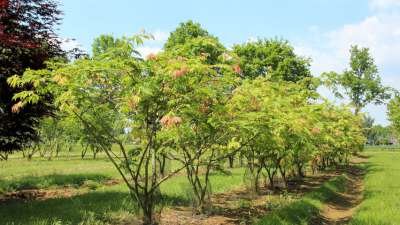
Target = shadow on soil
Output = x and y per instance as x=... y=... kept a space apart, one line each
x=308 y=209
x=53 y=180
x=90 y=208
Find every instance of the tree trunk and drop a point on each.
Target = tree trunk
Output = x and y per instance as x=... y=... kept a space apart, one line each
x=4 y=156
x=231 y=159
x=83 y=152
x=162 y=163
x=271 y=175
x=300 y=170
x=283 y=174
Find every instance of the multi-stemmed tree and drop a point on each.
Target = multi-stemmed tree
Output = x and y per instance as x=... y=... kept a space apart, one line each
x=191 y=105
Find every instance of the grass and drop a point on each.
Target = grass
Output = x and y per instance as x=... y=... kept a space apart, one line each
x=113 y=205
x=304 y=210
x=381 y=205
x=104 y=205
x=17 y=174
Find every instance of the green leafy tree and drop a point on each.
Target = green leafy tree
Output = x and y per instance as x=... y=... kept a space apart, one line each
x=107 y=93
x=272 y=116
x=273 y=58
x=185 y=32
x=167 y=101
x=380 y=135
x=368 y=123
x=393 y=113
x=202 y=86
x=361 y=83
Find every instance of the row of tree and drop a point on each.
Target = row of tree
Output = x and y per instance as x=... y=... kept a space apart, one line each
x=196 y=104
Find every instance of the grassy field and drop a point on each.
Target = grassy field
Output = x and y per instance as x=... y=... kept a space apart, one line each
x=94 y=201
x=381 y=204
x=17 y=174
x=305 y=210
x=99 y=204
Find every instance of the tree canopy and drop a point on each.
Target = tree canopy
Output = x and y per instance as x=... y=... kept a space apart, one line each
x=361 y=83
x=273 y=58
x=184 y=32
x=27 y=40
x=195 y=105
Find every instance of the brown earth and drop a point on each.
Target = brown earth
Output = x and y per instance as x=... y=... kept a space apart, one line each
x=341 y=209
x=241 y=206
x=44 y=194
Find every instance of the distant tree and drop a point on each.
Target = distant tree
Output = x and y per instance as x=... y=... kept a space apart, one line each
x=380 y=135
x=394 y=114
x=273 y=58
x=368 y=123
x=185 y=32
x=27 y=40
x=360 y=83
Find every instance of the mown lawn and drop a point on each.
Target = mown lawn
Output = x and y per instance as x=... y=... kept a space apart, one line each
x=18 y=173
x=381 y=205
x=104 y=205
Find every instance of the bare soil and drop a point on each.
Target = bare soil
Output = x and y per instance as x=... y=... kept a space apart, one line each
x=341 y=209
x=227 y=208
x=44 y=194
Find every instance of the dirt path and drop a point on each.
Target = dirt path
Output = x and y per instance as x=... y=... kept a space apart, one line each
x=341 y=209
x=239 y=206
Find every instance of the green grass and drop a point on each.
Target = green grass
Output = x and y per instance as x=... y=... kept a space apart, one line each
x=104 y=205
x=113 y=205
x=381 y=205
x=304 y=210
x=17 y=174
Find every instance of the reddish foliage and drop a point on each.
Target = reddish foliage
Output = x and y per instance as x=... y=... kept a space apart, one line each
x=27 y=40
x=237 y=69
x=3 y=4
x=27 y=24
x=170 y=121
x=315 y=130
x=205 y=106
x=179 y=73
x=151 y=56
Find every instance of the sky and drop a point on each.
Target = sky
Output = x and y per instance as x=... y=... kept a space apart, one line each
x=322 y=30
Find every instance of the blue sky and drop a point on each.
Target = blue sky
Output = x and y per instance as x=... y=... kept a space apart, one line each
x=320 y=29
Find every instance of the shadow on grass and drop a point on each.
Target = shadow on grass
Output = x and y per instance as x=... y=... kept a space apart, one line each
x=97 y=207
x=37 y=182
x=306 y=210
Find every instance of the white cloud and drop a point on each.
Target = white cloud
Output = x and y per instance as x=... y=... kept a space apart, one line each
x=146 y=50
x=383 y=4
x=252 y=39
x=153 y=46
x=380 y=32
x=160 y=36
x=322 y=60
x=68 y=44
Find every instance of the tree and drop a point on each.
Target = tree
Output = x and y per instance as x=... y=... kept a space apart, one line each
x=273 y=116
x=115 y=89
x=380 y=135
x=202 y=86
x=273 y=58
x=368 y=123
x=394 y=114
x=27 y=40
x=360 y=83
x=185 y=32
